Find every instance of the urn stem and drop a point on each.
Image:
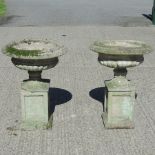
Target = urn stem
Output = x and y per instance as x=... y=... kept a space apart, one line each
x=35 y=75
x=120 y=72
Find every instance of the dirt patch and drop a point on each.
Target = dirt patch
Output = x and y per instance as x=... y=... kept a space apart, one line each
x=7 y=19
x=133 y=21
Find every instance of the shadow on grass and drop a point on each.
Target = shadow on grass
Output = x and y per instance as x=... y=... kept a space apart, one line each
x=57 y=96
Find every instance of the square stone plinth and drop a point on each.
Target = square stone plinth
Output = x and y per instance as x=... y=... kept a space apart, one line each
x=34 y=103
x=118 y=106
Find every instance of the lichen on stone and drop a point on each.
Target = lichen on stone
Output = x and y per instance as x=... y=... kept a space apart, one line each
x=34 y=49
x=11 y=50
x=121 y=47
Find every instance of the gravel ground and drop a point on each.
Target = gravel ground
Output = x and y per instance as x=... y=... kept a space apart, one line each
x=77 y=85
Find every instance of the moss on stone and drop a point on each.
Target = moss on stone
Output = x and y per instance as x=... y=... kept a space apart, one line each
x=18 y=52
x=111 y=47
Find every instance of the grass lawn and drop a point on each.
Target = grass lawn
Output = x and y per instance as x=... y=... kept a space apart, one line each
x=2 y=8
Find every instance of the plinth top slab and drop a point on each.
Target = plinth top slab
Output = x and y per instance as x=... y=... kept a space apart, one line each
x=36 y=86
x=121 y=47
x=34 y=49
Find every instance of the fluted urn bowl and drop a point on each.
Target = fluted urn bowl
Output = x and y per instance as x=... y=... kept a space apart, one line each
x=34 y=55
x=120 y=53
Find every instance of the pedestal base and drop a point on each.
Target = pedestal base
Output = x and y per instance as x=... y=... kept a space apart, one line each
x=116 y=124
x=119 y=103
x=34 y=103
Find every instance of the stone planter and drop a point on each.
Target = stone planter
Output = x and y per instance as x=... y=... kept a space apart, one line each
x=119 y=92
x=34 y=56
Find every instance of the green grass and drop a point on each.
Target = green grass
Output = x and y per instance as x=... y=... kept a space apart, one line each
x=2 y=8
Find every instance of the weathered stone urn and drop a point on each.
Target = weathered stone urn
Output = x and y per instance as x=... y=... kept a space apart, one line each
x=35 y=56
x=119 y=92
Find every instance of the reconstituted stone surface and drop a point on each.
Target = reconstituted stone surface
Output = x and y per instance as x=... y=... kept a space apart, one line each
x=34 y=105
x=77 y=91
x=120 y=47
x=34 y=49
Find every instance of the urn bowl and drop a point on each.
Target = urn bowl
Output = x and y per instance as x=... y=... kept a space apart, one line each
x=34 y=55
x=120 y=53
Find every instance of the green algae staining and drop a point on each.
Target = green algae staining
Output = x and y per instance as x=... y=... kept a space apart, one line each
x=34 y=49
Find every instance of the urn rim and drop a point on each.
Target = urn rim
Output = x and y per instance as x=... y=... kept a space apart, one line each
x=121 y=47
x=34 y=49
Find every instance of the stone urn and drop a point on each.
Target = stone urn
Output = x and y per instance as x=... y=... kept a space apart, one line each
x=35 y=56
x=119 y=93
